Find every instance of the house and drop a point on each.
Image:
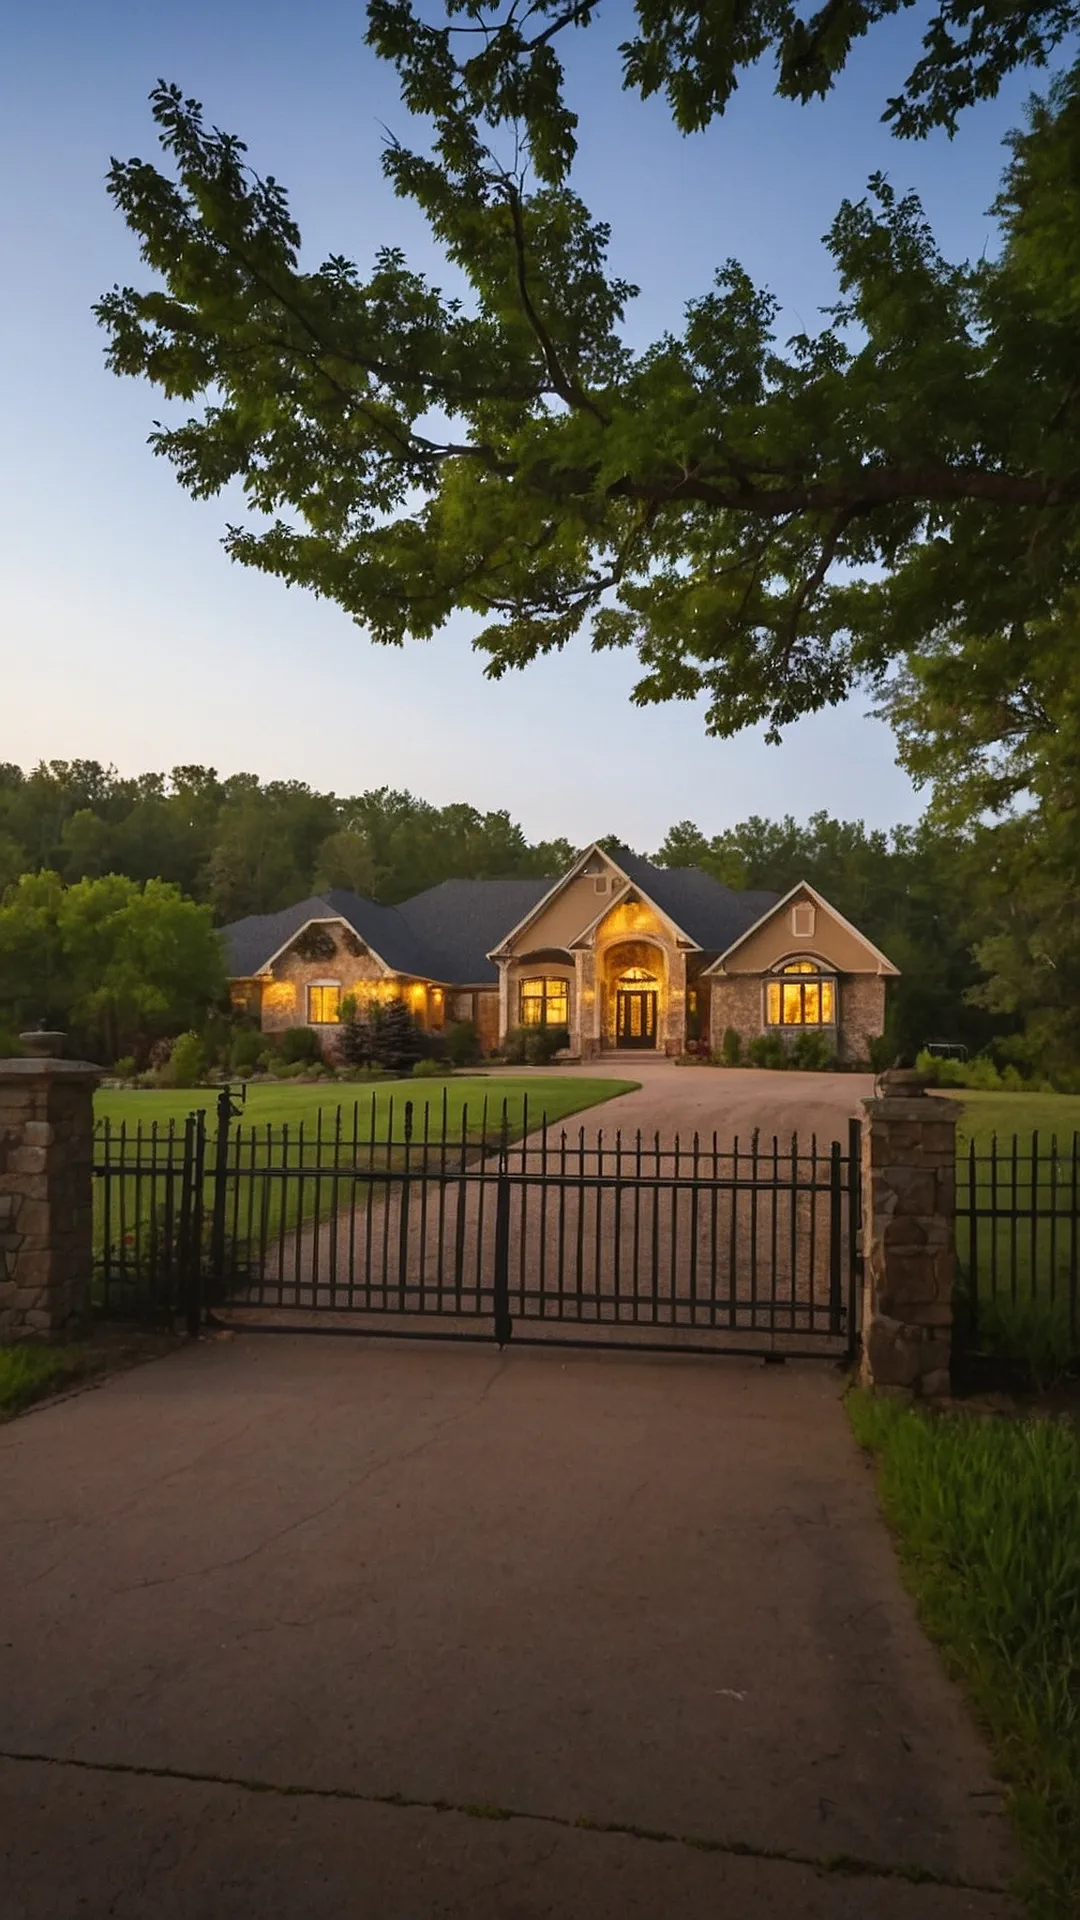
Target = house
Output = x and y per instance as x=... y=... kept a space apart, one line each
x=626 y=955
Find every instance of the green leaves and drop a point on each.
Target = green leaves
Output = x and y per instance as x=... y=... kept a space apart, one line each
x=768 y=524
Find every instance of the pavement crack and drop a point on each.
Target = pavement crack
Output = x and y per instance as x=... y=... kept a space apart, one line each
x=845 y=1865
x=394 y=1459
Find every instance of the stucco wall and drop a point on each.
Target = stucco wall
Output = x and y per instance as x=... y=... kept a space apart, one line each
x=572 y=910
x=776 y=940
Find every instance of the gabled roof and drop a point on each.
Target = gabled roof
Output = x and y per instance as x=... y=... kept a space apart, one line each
x=459 y=922
x=885 y=965
x=448 y=932
x=709 y=913
x=444 y=933
x=706 y=913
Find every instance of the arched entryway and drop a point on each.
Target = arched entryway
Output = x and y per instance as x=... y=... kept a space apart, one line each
x=634 y=976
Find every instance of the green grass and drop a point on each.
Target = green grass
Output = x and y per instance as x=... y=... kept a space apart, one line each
x=338 y=1140
x=985 y=1114
x=557 y=1095
x=1022 y=1307
x=28 y=1373
x=986 y=1515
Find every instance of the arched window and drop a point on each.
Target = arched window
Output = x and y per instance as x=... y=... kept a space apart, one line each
x=801 y=996
x=545 y=1002
x=632 y=977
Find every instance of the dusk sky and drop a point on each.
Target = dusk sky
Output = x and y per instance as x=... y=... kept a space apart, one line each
x=130 y=638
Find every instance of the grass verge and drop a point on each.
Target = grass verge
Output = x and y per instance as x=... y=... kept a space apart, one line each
x=29 y=1373
x=986 y=1515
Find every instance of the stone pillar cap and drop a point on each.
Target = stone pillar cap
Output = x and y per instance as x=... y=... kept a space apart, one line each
x=49 y=1069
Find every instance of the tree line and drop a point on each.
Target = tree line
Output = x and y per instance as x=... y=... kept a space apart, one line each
x=978 y=919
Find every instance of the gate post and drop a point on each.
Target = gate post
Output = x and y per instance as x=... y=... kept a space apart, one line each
x=46 y=1196
x=909 y=1238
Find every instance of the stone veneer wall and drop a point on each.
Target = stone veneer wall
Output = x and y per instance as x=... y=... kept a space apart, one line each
x=735 y=1001
x=862 y=1013
x=909 y=1241
x=46 y=1197
x=289 y=1008
x=487 y=1020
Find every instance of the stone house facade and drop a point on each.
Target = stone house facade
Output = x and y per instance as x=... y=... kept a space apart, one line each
x=626 y=956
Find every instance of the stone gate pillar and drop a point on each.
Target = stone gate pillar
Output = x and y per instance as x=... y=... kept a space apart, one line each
x=46 y=1200
x=909 y=1238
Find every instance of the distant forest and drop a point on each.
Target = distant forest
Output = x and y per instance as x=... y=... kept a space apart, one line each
x=936 y=899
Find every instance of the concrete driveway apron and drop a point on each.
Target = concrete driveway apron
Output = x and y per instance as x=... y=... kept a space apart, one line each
x=303 y=1625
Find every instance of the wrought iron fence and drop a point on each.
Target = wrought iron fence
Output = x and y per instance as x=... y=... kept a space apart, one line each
x=1018 y=1244
x=394 y=1214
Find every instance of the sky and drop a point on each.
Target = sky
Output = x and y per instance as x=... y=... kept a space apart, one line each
x=126 y=634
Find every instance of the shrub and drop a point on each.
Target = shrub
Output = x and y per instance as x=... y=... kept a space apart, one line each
x=731 y=1047
x=811 y=1052
x=543 y=1043
x=1037 y=1333
x=429 y=1069
x=124 y=1068
x=292 y=1069
x=462 y=1046
x=300 y=1043
x=246 y=1050
x=158 y=1055
x=882 y=1052
x=186 y=1063
x=767 y=1050
x=513 y=1046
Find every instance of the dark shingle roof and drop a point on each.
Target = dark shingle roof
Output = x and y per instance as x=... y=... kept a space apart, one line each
x=460 y=921
x=447 y=932
x=707 y=911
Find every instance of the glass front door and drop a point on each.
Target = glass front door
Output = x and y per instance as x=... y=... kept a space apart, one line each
x=635 y=1017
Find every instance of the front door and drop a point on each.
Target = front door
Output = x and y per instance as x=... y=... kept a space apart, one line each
x=635 y=1017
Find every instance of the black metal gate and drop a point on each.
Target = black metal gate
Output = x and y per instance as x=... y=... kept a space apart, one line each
x=747 y=1245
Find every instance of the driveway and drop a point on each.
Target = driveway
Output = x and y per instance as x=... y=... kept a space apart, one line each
x=674 y=1099
x=314 y=1627
x=646 y=1259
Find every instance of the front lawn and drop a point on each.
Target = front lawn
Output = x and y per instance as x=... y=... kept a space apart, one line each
x=296 y=1155
x=986 y=1515
x=1018 y=1228
x=984 y=1114
x=471 y=1100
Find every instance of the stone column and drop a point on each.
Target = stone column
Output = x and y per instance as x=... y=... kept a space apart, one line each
x=505 y=1022
x=588 y=997
x=909 y=1238
x=673 y=1038
x=46 y=1199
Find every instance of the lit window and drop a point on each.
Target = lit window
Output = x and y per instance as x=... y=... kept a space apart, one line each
x=806 y=1000
x=545 y=1003
x=324 y=1005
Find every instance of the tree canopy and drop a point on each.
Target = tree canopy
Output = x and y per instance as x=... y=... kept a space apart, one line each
x=961 y=910
x=109 y=959
x=766 y=523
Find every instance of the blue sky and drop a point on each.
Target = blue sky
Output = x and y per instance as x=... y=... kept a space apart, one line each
x=129 y=637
